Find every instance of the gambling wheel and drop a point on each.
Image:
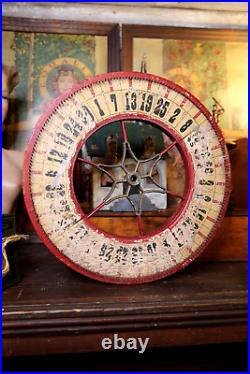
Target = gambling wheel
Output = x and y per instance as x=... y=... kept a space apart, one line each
x=156 y=202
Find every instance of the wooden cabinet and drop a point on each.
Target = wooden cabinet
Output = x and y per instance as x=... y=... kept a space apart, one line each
x=55 y=310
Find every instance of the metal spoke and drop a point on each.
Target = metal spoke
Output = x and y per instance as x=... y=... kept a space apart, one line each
x=128 y=191
x=131 y=152
x=131 y=202
x=97 y=166
x=156 y=183
x=140 y=201
x=89 y=162
x=115 y=198
x=111 y=166
x=165 y=191
x=157 y=156
x=124 y=133
x=153 y=166
x=110 y=192
x=157 y=159
x=100 y=206
x=124 y=153
x=125 y=175
x=165 y=150
x=100 y=167
x=154 y=191
x=140 y=225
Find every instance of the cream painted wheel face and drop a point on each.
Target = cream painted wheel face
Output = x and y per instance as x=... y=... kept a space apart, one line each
x=52 y=153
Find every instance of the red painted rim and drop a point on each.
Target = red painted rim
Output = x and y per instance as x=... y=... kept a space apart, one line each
x=28 y=155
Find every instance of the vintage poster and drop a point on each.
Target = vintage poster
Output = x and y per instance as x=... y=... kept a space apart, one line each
x=207 y=69
x=48 y=64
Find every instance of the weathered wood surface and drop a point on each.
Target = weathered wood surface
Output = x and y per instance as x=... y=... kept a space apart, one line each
x=55 y=310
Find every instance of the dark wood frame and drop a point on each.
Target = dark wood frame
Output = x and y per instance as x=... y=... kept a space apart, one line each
x=110 y=30
x=163 y=32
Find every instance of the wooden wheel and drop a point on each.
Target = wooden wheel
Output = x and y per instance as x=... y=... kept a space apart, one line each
x=125 y=101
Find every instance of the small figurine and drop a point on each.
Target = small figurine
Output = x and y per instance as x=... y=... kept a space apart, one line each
x=144 y=63
x=148 y=148
x=12 y=160
x=12 y=164
x=217 y=110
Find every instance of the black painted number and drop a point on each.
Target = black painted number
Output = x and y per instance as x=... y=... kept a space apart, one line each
x=175 y=115
x=101 y=112
x=114 y=101
x=186 y=125
x=131 y=100
x=57 y=156
x=161 y=107
x=147 y=101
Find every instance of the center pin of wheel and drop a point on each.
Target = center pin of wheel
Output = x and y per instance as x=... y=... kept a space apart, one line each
x=134 y=179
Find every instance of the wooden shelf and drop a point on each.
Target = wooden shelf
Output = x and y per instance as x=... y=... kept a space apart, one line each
x=55 y=310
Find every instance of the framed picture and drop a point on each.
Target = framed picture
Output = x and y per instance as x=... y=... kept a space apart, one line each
x=200 y=60
x=50 y=56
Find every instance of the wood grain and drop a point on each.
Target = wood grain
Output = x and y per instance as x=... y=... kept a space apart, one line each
x=55 y=26
x=110 y=30
x=55 y=310
x=230 y=241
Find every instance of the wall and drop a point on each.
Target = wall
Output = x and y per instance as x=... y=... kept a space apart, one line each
x=215 y=15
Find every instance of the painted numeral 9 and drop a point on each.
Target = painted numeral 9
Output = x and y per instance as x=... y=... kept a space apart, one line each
x=146 y=104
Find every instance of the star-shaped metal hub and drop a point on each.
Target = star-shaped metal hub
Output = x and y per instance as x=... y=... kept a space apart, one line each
x=131 y=179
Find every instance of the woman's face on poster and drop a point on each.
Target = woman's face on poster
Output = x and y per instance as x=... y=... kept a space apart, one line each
x=65 y=81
